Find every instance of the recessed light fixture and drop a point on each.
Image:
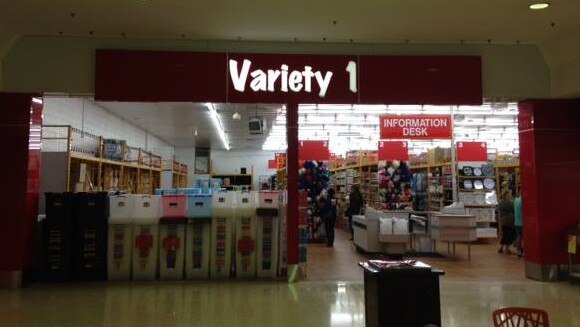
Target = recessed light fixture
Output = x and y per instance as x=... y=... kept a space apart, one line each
x=539 y=5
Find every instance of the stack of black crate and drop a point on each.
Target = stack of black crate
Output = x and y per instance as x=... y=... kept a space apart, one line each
x=75 y=236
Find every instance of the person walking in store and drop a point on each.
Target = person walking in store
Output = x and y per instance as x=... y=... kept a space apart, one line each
x=355 y=207
x=507 y=220
x=329 y=216
x=519 y=225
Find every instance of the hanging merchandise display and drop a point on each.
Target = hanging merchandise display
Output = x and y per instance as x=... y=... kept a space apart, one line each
x=314 y=178
x=198 y=233
x=172 y=236
x=221 y=234
x=146 y=214
x=395 y=187
x=119 y=249
x=267 y=234
x=245 y=235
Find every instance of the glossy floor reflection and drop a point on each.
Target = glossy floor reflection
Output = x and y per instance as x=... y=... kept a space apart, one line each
x=262 y=304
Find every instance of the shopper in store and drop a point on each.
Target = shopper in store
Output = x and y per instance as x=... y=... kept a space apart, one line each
x=519 y=225
x=507 y=220
x=328 y=211
x=355 y=206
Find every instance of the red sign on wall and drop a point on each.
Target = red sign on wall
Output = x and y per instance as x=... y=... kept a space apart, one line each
x=280 y=160
x=313 y=150
x=471 y=151
x=272 y=164
x=155 y=76
x=393 y=150
x=416 y=127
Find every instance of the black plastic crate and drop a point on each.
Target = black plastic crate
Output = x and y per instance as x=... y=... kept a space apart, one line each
x=57 y=237
x=91 y=210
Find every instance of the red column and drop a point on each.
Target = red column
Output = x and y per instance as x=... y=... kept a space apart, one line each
x=292 y=184
x=20 y=123
x=550 y=177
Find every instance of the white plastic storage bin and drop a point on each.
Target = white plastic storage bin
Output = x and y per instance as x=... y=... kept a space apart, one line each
x=245 y=235
x=221 y=234
x=145 y=251
x=174 y=206
x=147 y=209
x=121 y=208
x=267 y=236
x=119 y=251
x=171 y=250
x=146 y=213
x=268 y=199
x=197 y=248
x=199 y=206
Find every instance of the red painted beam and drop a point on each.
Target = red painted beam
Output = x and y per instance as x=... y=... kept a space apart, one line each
x=292 y=185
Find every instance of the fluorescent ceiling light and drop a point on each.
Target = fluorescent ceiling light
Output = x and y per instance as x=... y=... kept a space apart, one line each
x=539 y=5
x=218 y=125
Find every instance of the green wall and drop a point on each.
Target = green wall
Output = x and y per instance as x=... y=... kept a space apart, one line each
x=66 y=64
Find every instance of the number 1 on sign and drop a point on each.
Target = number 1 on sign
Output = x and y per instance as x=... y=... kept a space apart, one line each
x=351 y=70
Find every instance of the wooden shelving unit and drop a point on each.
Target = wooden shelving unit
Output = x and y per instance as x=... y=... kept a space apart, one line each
x=236 y=182
x=177 y=172
x=507 y=176
x=437 y=187
x=87 y=169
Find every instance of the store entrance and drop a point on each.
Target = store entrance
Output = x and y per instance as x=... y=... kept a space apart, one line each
x=242 y=148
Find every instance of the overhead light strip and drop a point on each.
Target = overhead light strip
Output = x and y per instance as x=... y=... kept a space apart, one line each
x=218 y=125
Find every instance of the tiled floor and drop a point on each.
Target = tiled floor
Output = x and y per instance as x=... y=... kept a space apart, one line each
x=470 y=291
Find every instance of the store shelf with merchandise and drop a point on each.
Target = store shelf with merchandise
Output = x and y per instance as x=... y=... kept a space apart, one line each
x=236 y=182
x=178 y=173
x=476 y=184
x=85 y=162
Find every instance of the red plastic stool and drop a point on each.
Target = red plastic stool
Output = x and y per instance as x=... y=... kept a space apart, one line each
x=520 y=317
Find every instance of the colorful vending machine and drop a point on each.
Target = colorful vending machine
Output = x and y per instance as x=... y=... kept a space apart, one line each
x=57 y=237
x=221 y=234
x=245 y=234
x=119 y=248
x=172 y=236
x=146 y=214
x=198 y=234
x=267 y=234
x=92 y=212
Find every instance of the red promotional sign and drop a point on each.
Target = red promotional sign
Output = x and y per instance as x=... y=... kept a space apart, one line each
x=393 y=150
x=313 y=150
x=280 y=160
x=471 y=151
x=416 y=127
x=272 y=164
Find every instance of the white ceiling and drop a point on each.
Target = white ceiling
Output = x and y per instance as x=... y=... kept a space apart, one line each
x=336 y=20
x=346 y=127
x=176 y=122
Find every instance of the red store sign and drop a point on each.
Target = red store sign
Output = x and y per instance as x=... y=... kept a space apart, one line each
x=155 y=76
x=471 y=151
x=416 y=127
x=393 y=150
x=313 y=150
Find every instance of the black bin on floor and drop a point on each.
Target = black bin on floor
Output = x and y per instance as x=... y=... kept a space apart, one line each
x=57 y=237
x=401 y=294
x=92 y=212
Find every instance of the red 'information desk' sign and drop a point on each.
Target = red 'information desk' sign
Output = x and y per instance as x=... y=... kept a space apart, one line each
x=471 y=151
x=393 y=150
x=416 y=127
x=313 y=150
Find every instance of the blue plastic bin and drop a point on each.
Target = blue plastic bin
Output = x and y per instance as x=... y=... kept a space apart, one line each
x=189 y=191
x=199 y=206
